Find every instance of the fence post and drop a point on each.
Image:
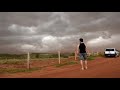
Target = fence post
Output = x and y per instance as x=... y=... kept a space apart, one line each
x=59 y=56
x=28 y=60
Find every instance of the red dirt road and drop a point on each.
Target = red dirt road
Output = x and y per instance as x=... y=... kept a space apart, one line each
x=99 y=68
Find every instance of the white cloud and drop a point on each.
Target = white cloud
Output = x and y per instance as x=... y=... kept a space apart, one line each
x=28 y=47
x=98 y=21
x=50 y=42
x=22 y=29
x=12 y=27
x=98 y=42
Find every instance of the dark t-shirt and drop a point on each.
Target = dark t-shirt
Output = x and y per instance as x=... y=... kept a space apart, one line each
x=82 y=48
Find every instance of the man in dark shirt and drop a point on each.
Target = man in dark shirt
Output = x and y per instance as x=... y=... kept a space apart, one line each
x=81 y=50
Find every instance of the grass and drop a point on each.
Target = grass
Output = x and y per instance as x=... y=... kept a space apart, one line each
x=16 y=70
x=13 y=61
x=16 y=62
x=91 y=57
x=68 y=63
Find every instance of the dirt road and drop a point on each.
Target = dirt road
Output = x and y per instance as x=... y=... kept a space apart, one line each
x=98 y=68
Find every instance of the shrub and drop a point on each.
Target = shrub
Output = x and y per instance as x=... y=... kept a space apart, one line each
x=91 y=57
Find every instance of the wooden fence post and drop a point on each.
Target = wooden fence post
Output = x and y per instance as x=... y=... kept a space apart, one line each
x=75 y=55
x=59 y=56
x=28 y=60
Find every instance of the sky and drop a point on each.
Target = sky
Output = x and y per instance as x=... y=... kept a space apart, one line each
x=42 y=32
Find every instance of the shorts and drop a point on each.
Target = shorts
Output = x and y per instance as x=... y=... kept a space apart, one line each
x=83 y=56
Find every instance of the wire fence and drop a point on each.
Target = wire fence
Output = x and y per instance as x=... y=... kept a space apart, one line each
x=33 y=61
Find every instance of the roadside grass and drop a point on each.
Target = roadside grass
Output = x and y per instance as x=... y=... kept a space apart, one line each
x=90 y=58
x=67 y=63
x=15 y=62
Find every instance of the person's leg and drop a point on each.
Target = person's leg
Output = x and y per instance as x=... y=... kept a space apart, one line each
x=86 y=66
x=81 y=61
x=85 y=60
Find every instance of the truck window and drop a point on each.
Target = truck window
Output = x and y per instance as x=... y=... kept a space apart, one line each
x=109 y=49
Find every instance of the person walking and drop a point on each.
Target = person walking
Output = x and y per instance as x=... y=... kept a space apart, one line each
x=81 y=51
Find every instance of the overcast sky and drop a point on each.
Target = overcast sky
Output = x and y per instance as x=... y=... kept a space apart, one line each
x=21 y=32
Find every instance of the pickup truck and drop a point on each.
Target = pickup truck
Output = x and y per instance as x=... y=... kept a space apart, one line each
x=111 y=52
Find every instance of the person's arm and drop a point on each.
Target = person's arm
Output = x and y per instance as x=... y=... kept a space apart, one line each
x=87 y=52
x=78 y=49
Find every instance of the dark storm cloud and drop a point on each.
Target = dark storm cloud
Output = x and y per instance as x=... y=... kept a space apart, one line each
x=51 y=31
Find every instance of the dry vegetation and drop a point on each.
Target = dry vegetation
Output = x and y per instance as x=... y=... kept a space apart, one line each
x=20 y=65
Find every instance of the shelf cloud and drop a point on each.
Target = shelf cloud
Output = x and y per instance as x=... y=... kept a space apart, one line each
x=21 y=32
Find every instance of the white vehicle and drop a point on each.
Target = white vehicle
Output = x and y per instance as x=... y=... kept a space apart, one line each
x=111 y=52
